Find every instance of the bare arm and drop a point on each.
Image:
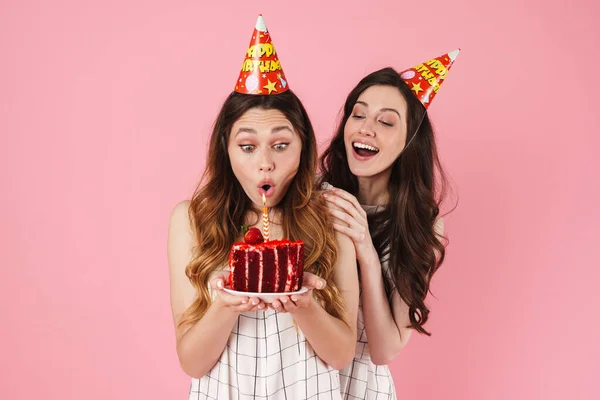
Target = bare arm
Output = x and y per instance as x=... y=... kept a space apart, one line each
x=401 y=315
x=199 y=346
x=386 y=326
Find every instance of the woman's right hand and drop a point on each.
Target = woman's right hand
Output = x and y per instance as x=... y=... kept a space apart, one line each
x=236 y=304
x=350 y=219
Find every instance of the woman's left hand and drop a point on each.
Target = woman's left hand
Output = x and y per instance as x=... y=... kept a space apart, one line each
x=299 y=301
x=294 y=303
x=350 y=219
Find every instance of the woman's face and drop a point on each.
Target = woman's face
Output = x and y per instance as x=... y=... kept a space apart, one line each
x=375 y=132
x=264 y=150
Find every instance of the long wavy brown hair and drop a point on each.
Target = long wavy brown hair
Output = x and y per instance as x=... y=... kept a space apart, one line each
x=219 y=206
x=404 y=231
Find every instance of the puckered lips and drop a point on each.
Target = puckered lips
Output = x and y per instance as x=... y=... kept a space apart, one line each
x=266 y=187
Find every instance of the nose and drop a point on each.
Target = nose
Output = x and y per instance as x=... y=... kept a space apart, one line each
x=367 y=132
x=367 y=129
x=266 y=162
x=266 y=167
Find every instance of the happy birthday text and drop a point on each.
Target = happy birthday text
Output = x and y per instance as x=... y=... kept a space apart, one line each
x=261 y=50
x=439 y=70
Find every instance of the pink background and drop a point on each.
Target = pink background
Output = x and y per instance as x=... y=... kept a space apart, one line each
x=105 y=110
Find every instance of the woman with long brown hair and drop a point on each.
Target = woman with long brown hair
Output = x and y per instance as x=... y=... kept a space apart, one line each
x=386 y=185
x=233 y=346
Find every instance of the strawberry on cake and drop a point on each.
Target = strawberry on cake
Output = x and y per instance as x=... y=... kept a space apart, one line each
x=259 y=266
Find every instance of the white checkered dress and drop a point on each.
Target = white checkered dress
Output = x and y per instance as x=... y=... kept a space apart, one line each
x=362 y=379
x=267 y=357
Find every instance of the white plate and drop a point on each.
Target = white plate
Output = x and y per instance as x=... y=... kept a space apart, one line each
x=265 y=297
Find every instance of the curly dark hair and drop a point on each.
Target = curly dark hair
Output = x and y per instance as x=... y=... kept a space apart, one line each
x=404 y=232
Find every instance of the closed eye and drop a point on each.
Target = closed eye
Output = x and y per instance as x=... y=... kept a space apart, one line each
x=386 y=123
x=355 y=116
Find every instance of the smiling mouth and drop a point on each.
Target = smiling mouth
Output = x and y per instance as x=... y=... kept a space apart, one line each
x=364 y=150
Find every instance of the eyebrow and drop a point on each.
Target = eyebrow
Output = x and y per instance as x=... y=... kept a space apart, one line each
x=383 y=109
x=276 y=129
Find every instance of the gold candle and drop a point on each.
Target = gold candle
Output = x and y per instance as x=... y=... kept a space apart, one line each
x=265 y=219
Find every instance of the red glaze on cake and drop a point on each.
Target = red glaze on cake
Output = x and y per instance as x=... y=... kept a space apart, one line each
x=276 y=266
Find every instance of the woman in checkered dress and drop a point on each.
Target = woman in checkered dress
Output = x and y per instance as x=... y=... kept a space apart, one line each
x=379 y=169
x=235 y=347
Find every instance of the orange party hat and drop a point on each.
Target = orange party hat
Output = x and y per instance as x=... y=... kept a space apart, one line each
x=261 y=71
x=424 y=80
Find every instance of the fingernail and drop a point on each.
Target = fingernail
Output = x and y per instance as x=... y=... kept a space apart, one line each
x=283 y=300
x=244 y=301
x=254 y=302
x=220 y=284
x=261 y=306
x=294 y=298
x=321 y=284
x=326 y=196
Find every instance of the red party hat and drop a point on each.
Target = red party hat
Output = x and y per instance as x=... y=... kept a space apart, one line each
x=426 y=79
x=261 y=71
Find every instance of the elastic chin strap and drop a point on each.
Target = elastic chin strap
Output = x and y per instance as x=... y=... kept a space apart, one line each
x=415 y=135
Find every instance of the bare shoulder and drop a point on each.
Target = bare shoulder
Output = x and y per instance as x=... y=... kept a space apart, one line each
x=180 y=214
x=346 y=276
x=180 y=237
x=439 y=226
x=346 y=256
x=180 y=246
